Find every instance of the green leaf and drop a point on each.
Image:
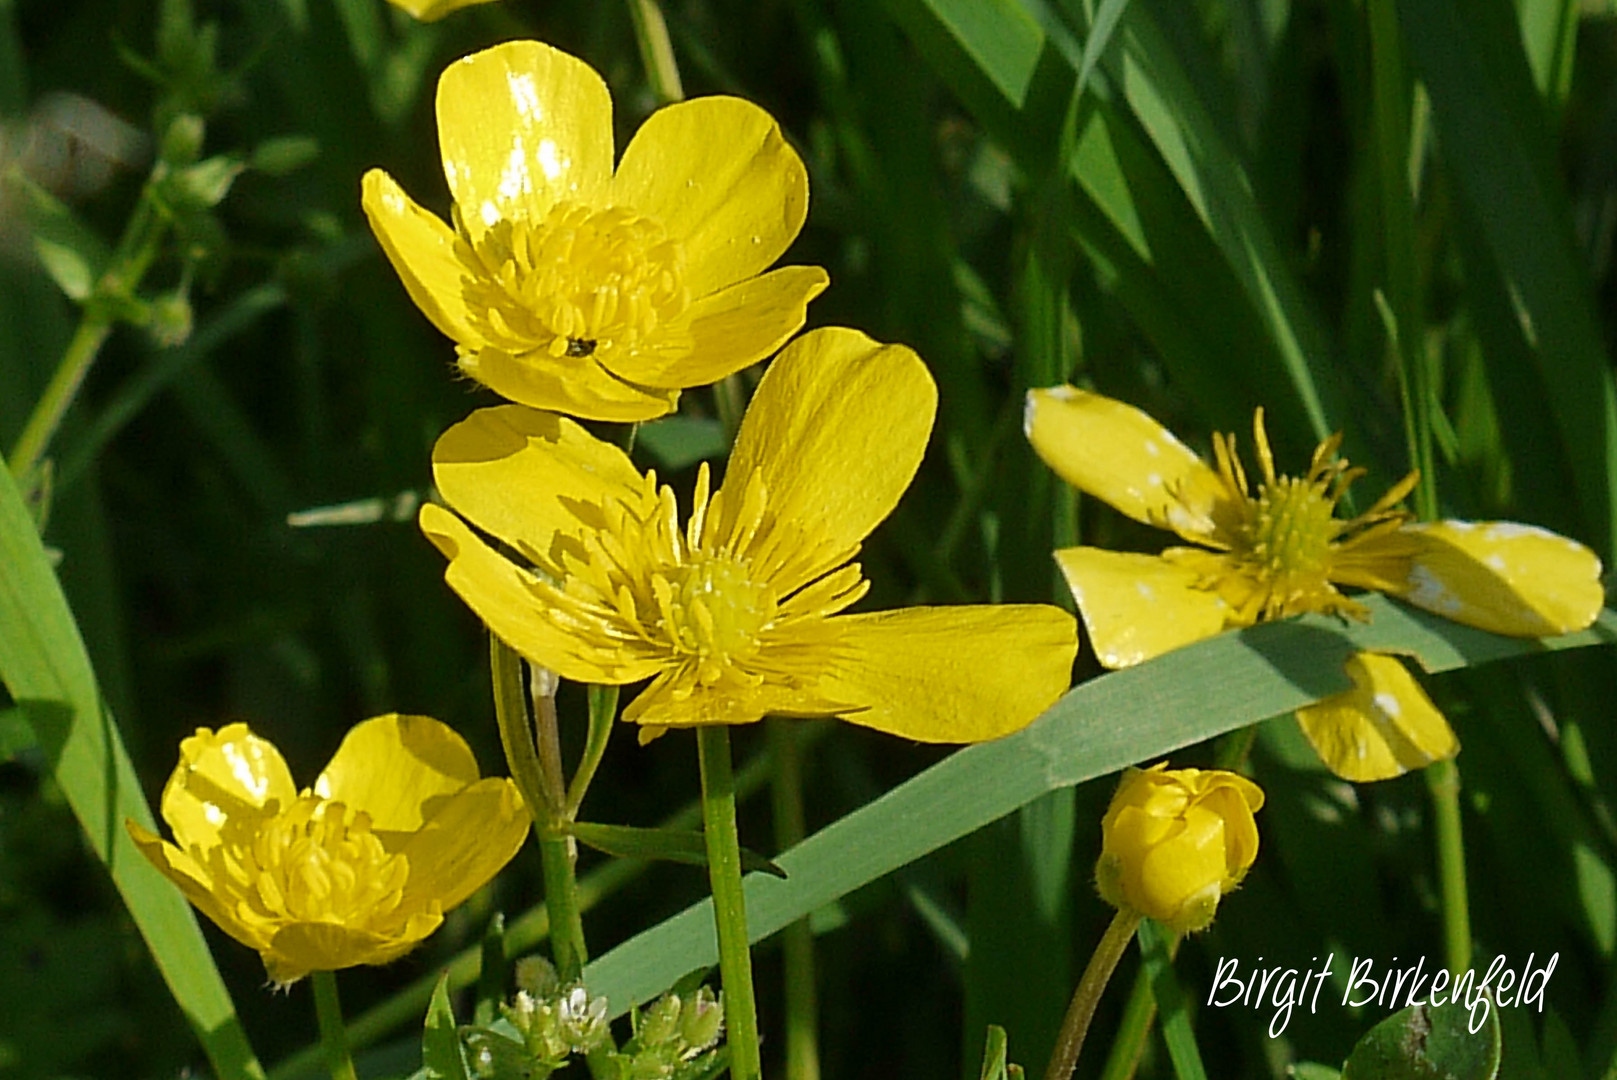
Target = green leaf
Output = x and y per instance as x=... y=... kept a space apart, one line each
x=441 y=1057
x=71 y=253
x=1176 y=1027
x=48 y=674
x=1425 y=1043
x=670 y=845
x=994 y=1055
x=1124 y=717
x=1490 y=126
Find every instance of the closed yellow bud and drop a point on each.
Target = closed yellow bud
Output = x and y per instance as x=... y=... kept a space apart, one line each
x=1175 y=841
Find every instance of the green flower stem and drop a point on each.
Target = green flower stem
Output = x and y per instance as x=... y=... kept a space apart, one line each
x=1138 y=1015
x=556 y=852
x=137 y=249
x=333 y=1036
x=1443 y=781
x=1075 y=1025
x=729 y=904
x=797 y=940
x=656 y=51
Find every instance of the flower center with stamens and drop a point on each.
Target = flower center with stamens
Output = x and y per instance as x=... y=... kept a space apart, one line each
x=714 y=614
x=1286 y=540
x=316 y=862
x=579 y=281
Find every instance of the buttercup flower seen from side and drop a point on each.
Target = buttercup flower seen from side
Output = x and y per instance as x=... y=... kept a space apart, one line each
x=1176 y=841
x=1280 y=550
x=600 y=294
x=357 y=869
x=738 y=614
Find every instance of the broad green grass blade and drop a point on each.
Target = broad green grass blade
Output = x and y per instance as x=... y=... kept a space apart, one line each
x=1137 y=714
x=1471 y=64
x=47 y=672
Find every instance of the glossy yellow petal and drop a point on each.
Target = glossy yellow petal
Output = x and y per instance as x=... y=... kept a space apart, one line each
x=301 y=947
x=669 y=703
x=395 y=768
x=835 y=431
x=432 y=10
x=223 y=780
x=1383 y=727
x=720 y=177
x=952 y=674
x=195 y=882
x=582 y=388
x=521 y=127
x=1121 y=456
x=505 y=597
x=422 y=250
x=1500 y=576
x=467 y=838
x=526 y=476
x=734 y=328
x=1138 y=606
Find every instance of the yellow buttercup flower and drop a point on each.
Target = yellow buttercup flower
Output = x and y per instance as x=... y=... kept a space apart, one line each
x=357 y=869
x=1174 y=842
x=739 y=613
x=568 y=286
x=1277 y=548
x=432 y=10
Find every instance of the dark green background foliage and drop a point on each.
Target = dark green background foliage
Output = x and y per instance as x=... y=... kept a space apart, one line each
x=1237 y=206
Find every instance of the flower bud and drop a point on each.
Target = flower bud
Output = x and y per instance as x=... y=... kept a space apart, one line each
x=700 y=1021
x=659 y=1024
x=1174 y=842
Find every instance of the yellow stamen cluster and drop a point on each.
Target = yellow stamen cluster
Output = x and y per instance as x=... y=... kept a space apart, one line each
x=704 y=599
x=1286 y=549
x=315 y=861
x=579 y=281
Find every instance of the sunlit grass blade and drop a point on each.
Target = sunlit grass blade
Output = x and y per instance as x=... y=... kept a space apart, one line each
x=1488 y=123
x=1128 y=716
x=48 y=675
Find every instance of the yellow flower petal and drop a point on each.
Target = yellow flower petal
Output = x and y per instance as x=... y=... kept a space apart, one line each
x=229 y=776
x=582 y=388
x=1500 y=576
x=521 y=127
x=952 y=674
x=465 y=841
x=525 y=476
x=393 y=766
x=736 y=327
x=1178 y=870
x=195 y=882
x=669 y=703
x=302 y=947
x=1383 y=727
x=422 y=251
x=832 y=460
x=1121 y=456
x=506 y=599
x=721 y=178
x=1138 y=606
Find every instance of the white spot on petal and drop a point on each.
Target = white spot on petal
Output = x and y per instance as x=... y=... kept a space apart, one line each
x=550 y=159
x=1388 y=705
x=1154 y=479
x=1428 y=592
x=1152 y=448
x=1146 y=592
x=524 y=95
x=1510 y=530
x=1496 y=562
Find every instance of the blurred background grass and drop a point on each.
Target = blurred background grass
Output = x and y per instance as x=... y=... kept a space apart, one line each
x=1237 y=205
